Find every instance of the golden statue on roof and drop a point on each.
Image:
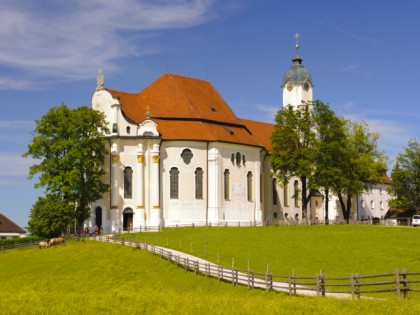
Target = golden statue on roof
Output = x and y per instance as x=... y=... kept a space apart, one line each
x=100 y=80
x=147 y=111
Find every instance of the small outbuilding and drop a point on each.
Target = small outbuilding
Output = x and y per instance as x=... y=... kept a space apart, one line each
x=9 y=229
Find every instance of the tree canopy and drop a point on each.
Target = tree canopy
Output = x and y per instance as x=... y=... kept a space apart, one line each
x=361 y=163
x=68 y=143
x=293 y=143
x=326 y=152
x=405 y=186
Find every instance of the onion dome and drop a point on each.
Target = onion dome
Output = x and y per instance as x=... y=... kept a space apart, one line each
x=297 y=74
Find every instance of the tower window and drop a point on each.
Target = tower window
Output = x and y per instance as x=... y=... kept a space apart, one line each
x=128 y=129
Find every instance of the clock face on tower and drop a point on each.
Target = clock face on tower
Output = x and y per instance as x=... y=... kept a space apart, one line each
x=290 y=86
x=306 y=86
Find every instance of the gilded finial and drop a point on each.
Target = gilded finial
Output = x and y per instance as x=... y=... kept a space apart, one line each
x=100 y=80
x=147 y=111
x=297 y=42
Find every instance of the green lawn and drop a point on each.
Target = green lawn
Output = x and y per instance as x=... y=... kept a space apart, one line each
x=91 y=277
x=337 y=250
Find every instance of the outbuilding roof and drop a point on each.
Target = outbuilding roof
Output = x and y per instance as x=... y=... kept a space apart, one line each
x=8 y=226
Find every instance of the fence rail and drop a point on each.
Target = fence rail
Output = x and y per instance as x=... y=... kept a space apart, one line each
x=400 y=282
x=19 y=245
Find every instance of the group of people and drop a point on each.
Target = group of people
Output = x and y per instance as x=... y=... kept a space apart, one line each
x=97 y=231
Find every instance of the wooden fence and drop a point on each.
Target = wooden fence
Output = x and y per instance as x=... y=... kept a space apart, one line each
x=401 y=282
x=19 y=245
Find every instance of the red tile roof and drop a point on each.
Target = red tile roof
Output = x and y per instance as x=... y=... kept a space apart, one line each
x=191 y=109
x=8 y=226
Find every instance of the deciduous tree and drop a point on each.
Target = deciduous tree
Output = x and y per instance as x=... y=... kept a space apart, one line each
x=68 y=143
x=362 y=165
x=293 y=148
x=329 y=149
x=405 y=186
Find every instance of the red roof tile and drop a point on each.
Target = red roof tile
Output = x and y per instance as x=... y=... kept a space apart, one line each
x=187 y=109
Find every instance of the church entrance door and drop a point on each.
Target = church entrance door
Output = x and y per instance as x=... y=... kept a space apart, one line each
x=98 y=217
x=128 y=219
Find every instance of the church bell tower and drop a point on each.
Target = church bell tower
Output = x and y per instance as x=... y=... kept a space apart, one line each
x=297 y=83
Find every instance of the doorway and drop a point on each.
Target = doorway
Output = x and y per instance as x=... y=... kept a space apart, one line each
x=128 y=219
x=98 y=217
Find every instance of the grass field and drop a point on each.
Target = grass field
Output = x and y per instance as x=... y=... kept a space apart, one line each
x=90 y=277
x=337 y=250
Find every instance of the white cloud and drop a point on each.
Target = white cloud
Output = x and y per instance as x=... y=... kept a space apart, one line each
x=72 y=39
x=351 y=68
x=269 y=111
x=15 y=165
x=16 y=131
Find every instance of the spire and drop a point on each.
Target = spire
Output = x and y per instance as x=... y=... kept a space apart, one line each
x=297 y=43
x=100 y=80
x=297 y=58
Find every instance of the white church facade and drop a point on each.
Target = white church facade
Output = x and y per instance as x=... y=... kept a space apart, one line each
x=179 y=155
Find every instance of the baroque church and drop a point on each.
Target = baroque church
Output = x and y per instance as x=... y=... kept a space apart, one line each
x=179 y=155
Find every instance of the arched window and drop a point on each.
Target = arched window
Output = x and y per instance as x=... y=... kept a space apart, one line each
x=199 y=183
x=296 y=193
x=187 y=156
x=173 y=183
x=232 y=158
x=381 y=205
x=238 y=159
x=275 y=195
x=128 y=130
x=128 y=182
x=243 y=159
x=227 y=184
x=249 y=185
x=286 y=194
x=372 y=204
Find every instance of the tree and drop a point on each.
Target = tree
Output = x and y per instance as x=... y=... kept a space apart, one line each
x=293 y=143
x=405 y=186
x=50 y=216
x=329 y=147
x=361 y=163
x=68 y=143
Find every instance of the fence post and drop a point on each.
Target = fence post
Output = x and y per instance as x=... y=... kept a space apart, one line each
x=357 y=285
x=352 y=286
x=233 y=275
x=318 y=284
x=397 y=283
x=197 y=267
x=186 y=265
x=405 y=283
x=322 y=283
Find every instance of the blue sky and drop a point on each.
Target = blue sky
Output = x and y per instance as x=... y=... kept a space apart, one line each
x=363 y=57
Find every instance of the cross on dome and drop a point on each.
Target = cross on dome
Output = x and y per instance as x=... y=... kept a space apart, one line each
x=297 y=35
